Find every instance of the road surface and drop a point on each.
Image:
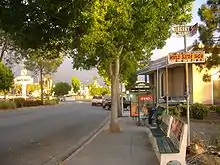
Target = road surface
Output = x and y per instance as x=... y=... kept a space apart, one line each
x=34 y=136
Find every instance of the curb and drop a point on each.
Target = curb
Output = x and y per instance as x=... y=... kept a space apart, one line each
x=72 y=151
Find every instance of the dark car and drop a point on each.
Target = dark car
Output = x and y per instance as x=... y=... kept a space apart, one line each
x=126 y=104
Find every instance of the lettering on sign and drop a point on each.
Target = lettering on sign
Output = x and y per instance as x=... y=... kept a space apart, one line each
x=181 y=30
x=146 y=98
x=189 y=57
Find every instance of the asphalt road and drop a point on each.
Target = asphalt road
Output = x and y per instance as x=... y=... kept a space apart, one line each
x=34 y=136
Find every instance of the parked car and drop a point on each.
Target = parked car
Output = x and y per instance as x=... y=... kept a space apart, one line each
x=173 y=100
x=105 y=99
x=126 y=104
x=96 y=100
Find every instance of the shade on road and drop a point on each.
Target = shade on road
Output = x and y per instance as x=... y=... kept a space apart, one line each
x=34 y=136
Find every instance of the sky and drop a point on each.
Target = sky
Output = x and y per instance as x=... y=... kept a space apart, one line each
x=65 y=71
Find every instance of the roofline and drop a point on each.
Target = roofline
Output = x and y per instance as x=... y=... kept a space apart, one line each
x=160 y=63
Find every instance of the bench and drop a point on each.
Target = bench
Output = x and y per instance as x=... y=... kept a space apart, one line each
x=172 y=148
x=163 y=127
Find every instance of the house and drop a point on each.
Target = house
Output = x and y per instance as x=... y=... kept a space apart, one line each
x=200 y=91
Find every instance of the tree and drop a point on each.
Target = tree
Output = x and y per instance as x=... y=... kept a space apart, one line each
x=42 y=66
x=209 y=34
x=75 y=84
x=95 y=90
x=209 y=30
x=61 y=88
x=96 y=31
x=30 y=88
x=18 y=88
x=105 y=91
x=10 y=53
x=6 y=78
x=117 y=30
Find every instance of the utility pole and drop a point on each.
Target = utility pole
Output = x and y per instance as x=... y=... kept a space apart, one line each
x=157 y=88
x=167 y=89
x=187 y=93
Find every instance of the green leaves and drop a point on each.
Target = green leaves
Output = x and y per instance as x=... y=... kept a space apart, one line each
x=209 y=31
x=209 y=14
x=37 y=61
x=6 y=77
x=34 y=24
x=75 y=82
x=132 y=24
x=95 y=90
x=61 y=88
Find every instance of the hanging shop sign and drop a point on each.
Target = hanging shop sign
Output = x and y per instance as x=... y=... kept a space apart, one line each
x=186 y=57
x=146 y=98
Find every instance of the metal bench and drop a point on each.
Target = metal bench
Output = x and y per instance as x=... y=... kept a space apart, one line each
x=172 y=147
x=163 y=127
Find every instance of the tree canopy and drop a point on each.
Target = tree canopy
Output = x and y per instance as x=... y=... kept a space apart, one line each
x=95 y=31
x=210 y=16
x=95 y=90
x=6 y=78
x=37 y=63
x=75 y=82
x=10 y=53
x=209 y=34
x=61 y=88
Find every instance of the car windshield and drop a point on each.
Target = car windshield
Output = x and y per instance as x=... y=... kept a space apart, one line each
x=97 y=97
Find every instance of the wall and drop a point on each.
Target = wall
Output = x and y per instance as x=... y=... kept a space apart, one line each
x=176 y=81
x=202 y=91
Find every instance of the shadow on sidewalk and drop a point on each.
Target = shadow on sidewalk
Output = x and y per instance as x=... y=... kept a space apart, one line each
x=129 y=147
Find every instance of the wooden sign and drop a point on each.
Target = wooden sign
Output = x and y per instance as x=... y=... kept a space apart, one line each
x=181 y=30
x=186 y=57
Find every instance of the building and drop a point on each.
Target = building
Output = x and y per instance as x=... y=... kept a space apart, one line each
x=200 y=91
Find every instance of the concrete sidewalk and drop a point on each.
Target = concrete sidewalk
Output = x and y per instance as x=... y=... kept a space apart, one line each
x=129 y=147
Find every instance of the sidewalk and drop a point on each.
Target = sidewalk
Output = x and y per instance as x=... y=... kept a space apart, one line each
x=130 y=147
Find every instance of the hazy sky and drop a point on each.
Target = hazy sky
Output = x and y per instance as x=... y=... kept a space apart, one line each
x=65 y=71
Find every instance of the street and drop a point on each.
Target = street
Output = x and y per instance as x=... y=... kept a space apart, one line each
x=34 y=136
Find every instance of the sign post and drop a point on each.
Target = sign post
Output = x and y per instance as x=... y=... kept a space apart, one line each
x=187 y=94
x=185 y=57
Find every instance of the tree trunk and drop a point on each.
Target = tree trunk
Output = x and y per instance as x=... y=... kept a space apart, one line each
x=41 y=87
x=3 y=51
x=119 y=100
x=5 y=94
x=114 y=71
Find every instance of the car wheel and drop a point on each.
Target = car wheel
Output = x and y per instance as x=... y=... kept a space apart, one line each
x=106 y=107
x=128 y=108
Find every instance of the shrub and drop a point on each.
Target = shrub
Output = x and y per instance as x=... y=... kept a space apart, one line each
x=183 y=110
x=19 y=102
x=175 y=111
x=199 y=111
x=217 y=109
x=212 y=108
x=31 y=103
x=7 y=105
x=51 y=102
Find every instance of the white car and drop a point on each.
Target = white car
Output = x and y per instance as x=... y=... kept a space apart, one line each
x=97 y=100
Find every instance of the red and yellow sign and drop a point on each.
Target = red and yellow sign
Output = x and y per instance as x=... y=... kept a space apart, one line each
x=189 y=57
x=146 y=98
